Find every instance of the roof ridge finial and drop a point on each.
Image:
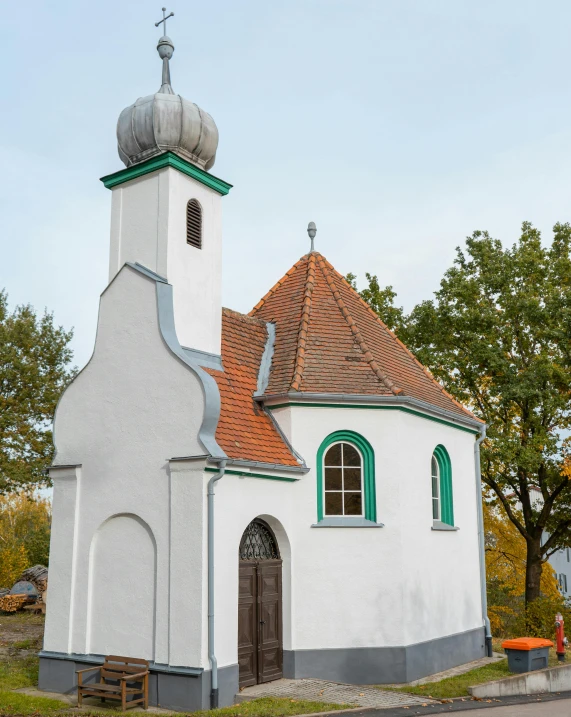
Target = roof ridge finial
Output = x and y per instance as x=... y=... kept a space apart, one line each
x=165 y=49
x=312 y=231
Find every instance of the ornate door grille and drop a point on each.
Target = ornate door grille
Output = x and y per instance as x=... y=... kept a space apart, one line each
x=258 y=543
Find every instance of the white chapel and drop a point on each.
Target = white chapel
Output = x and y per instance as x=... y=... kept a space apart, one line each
x=244 y=497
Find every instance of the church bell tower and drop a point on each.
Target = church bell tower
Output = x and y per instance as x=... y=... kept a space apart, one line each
x=166 y=211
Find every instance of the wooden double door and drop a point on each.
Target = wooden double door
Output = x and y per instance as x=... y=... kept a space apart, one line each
x=260 y=647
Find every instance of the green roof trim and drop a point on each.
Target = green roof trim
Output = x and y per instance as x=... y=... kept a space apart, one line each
x=246 y=474
x=451 y=424
x=168 y=159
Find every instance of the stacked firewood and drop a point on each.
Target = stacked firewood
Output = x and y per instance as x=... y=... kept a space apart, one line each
x=16 y=599
x=38 y=576
x=12 y=603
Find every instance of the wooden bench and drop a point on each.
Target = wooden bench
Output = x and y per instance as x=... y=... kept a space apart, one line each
x=122 y=671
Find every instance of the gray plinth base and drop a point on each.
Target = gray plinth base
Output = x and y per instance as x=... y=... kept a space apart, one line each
x=386 y=665
x=171 y=688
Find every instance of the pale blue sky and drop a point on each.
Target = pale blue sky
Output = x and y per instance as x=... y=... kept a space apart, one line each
x=398 y=126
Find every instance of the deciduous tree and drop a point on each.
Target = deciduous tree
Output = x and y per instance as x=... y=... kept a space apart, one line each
x=382 y=301
x=498 y=336
x=506 y=572
x=34 y=369
x=24 y=534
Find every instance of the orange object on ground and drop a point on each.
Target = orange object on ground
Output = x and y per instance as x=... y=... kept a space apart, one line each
x=526 y=643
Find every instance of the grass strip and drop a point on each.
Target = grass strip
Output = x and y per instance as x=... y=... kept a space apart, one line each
x=272 y=707
x=457 y=686
x=15 y=703
x=16 y=672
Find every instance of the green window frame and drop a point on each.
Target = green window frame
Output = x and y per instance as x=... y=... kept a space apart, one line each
x=445 y=498
x=368 y=472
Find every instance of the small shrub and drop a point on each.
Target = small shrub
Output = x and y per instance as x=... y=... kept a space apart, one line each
x=538 y=620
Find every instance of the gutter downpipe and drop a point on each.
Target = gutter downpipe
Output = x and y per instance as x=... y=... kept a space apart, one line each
x=481 y=543
x=210 y=549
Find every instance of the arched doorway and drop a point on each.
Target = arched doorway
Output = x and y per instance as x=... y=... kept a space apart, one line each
x=260 y=646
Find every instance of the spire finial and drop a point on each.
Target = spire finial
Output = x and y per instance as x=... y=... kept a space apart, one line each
x=165 y=49
x=165 y=18
x=312 y=231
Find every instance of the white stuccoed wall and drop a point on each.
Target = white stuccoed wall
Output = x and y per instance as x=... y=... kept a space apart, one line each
x=130 y=524
x=112 y=621
x=148 y=226
x=360 y=587
x=132 y=408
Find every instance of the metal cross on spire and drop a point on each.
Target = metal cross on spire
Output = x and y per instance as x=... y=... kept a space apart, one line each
x=165 y=18
x=165 y=49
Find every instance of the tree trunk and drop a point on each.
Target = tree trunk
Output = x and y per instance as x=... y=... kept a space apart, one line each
x=533 y=570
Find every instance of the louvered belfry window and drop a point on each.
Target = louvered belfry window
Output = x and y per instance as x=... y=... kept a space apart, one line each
x=194 y=224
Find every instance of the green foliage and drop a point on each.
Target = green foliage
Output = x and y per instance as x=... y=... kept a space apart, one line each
x=498 y=337
x=24 y=535
x=15 y=703
x=272 y=707
x=13 y=561
x=457 y=686
x=538 y=618
x=17 y=672
x=34 y=370
x=381 y=301
x=506 y=552
x=23 y=644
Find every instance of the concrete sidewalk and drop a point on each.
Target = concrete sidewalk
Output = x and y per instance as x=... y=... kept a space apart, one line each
x=536 y=706
x=332 y=692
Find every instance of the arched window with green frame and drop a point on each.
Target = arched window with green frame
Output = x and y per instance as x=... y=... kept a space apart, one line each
x=441 y=475
x=346 y=478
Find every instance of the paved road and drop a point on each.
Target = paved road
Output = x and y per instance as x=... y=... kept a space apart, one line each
x=541 y=706
x=556 y=708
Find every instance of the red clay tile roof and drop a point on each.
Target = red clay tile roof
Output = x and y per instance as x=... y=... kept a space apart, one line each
x=328 y=340
x=244 y=430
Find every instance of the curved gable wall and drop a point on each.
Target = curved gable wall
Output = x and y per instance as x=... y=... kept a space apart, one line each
x=134 y=406
x=132 y=387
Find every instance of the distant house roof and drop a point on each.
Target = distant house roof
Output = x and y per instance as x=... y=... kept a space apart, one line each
x=327 y=340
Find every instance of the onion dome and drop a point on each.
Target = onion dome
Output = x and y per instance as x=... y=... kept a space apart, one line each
x=166 y=122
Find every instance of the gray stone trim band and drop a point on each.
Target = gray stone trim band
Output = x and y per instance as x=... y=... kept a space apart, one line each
x=100 y=659
x=267 y=466
x=439 y=525
x=398 y=401
x=385 y=665
x=210 y=391
x=147 y=272
x=203 y=358
x=347 y=523
x=202 y=457
x=169 y=687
